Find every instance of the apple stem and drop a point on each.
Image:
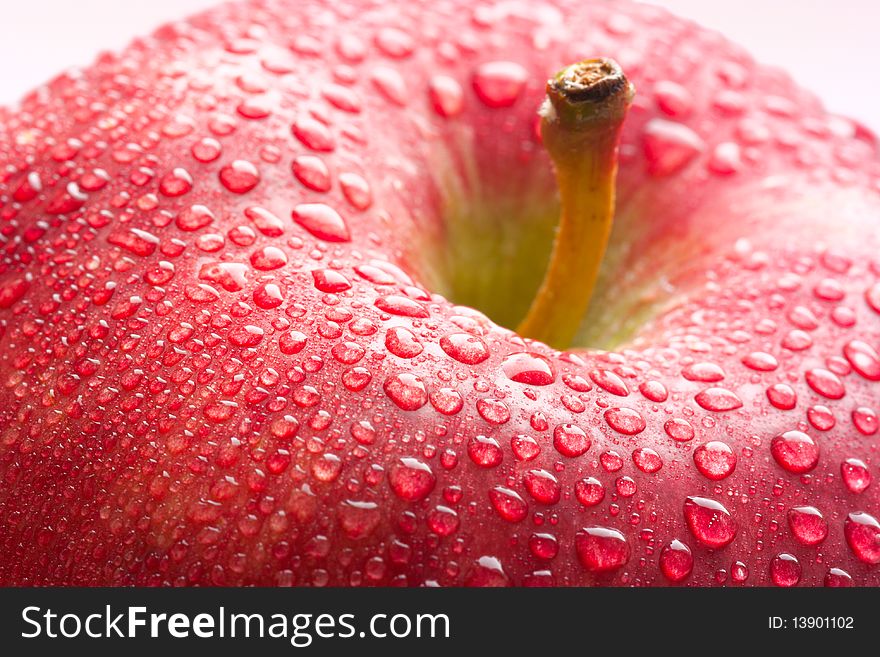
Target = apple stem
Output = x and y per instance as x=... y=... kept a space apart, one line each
x=580 y=126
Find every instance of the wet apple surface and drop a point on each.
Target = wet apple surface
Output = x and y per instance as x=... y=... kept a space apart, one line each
x=260 y=279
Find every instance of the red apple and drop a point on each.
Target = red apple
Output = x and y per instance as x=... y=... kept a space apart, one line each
x=244 y=271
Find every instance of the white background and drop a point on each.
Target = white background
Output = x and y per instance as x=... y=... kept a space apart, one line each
x=828 y=45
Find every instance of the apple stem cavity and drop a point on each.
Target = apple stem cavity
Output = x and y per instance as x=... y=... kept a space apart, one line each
x=581 y=120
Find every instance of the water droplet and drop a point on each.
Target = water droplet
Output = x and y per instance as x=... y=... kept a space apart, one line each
x=625 y=420
x=239 y=176
x=709 y=522
x=543 y=546
x=863 y=358
x=673 y=99
x=529 y=368
x=601 y=549
x=177 y=182
x=542 y=486
x=570 y=440
x=194 y=218
x=679 y=429
x=647 y=460
x=715 y=460
x=493 y=411
x=703 y=372
x=785 y=570
x=782 y=396
x=322 y=221
x=760 y=361
x=609 y=382
x=390 y=84
x=465 y=348
x=402 y=342
x=669 y=146
x=837 y=578
x=795 y=451
x=821 y=417
x=356 y=190
x=358 y=519
x=268 y=258
x=676 y=561
x=525 y=448
x=447 y=96
x=443 y=521
x=865 y=420
x=311 y=171
x=402 y=306
x=589 y=491
x=856 y=475
x=718 y=399
x=807 y=525
x=291 y=342
x=626 y=486
x=654 y=391
x=206 y=149
x=406 y=390
x=268 y=296
x=499 y=84
x=447 y=401
x=313 y=134
x=508 y=504
x=825 y=383
x=135 y=241
x=484 y=451
x=611 y=461
x=411 y=479
x=862 y=532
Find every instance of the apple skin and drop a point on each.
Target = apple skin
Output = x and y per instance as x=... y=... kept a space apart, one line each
x=224 y=359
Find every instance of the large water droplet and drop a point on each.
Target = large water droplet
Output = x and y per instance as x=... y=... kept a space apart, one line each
x=601 y=549
x=570 y=440
x=676 y=561
x=807 y=525
x=795 y=451
x=411 y=479
x=715 y=460
x=322 y=221
x=856 y=475
x=709 y=522
x=669 y=146
x=406 y=390
x=718 y=399
x=529 y=368
x=508 y=504
x=862 y=532
x=785 y=570
x=499 y=84
x=625 y=420
x=465 y=348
